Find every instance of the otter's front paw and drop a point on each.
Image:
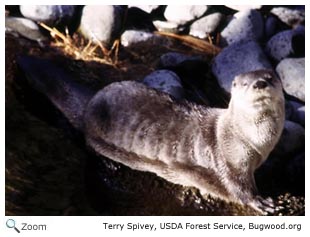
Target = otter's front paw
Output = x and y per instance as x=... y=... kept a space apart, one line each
x=263 y=205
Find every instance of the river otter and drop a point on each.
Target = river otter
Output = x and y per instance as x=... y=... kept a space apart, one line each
x=214 y=150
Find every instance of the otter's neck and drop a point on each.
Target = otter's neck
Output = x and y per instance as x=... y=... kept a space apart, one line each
x=260 y=130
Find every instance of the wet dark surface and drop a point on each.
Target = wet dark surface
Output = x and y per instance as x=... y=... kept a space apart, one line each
x=49 y=170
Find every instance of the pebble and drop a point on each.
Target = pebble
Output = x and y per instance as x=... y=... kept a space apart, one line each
x=273 y=26
x=173 y=59
x=166 y=81
x=298 y=115
x=243 y=7
x=206 y=25
x=236 y=59
x=167 y=26
x=146 y=8
x=245 y=25
x=182 y=14
x=25 y=27
x=101 y=23
x=291 y=140
x=131 y=37
x=49 y=14
x=285 y=43
x=295 y=112
x=292 y=73
x=289 y=16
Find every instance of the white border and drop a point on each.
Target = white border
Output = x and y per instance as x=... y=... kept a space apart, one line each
x=80 y=226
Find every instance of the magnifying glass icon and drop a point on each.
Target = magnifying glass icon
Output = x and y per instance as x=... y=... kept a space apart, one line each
x=10 y=223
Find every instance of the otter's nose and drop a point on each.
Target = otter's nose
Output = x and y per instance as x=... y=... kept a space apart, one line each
x=260 y=84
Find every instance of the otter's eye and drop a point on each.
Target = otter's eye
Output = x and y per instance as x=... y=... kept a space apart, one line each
x=234 y=84
x=245 y=84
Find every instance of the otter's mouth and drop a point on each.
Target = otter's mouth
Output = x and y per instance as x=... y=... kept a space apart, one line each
x=264 y=99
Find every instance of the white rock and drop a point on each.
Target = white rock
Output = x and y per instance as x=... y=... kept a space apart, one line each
x=292 y=73
x=101 y=23
x=182 y=14
x=49 y=14
x=206 y=25
x=243 y=7
x=289 y=16
x=146 y=8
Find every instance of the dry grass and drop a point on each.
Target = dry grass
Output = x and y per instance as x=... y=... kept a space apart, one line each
x=195 y=43
x=77 y=48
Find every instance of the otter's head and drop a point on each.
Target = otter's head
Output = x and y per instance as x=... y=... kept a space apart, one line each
x=257 y=103
x=257 y=92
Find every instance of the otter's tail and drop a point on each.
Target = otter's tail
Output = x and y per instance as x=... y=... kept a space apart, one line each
x=59 y=86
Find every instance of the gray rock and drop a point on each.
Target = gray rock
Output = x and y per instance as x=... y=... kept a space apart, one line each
x=49 y=14
x=271 y=24
x=243 y=7
x=173 y=59
x=295 y=112
x=289 y=16
x=298 y=115
x=166 y=26
x=291 y=140
x=206 y=25
x=25 y=27
x=182 y=14
x=146 y=8
x=131 y=37
x=245 y=25
x=236 y=59
x=292 y=74
x=166 y=81
x=282 y=45
x=101 y=23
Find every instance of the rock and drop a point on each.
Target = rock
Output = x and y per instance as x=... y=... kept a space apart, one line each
x=101 y=23
x=292 y=74
x=236 y=59
x=291 y=17
x=295 y=112
x=173 y=59
x=245 y=25
x=291 y=140
x=25 y=27
x=131 y=37
x=182 y=14
x=244 y=7
x=166 y=81
x=286 y=43
x=167 y=26
x=49 y=14
x=298 y=115
x=206 y=25
x=146 y=8
x=273 y=26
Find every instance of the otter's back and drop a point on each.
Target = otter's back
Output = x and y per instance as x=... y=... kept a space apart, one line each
x=149 y=123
